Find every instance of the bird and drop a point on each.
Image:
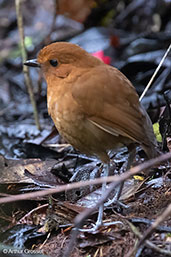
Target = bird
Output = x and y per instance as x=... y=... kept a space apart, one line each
x=94 y=107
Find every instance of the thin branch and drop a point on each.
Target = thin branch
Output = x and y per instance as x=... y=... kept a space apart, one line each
x=155 y=73
x=161 y=229
x=146 y=242
x=160 y=219
x=80 y=218
x=18 y=4
x=117 y=178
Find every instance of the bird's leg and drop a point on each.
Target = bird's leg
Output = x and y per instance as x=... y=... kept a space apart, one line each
x=115 y=199
x=131 y=157
x=99 y=221
x=105 y=173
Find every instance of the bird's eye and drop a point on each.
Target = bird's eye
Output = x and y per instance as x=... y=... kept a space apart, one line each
x=54 y=63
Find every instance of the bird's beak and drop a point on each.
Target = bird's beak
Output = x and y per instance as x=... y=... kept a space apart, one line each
x=32 y=63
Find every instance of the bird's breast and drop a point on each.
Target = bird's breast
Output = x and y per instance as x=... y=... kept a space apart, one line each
x=76 y=129
x=68 y=119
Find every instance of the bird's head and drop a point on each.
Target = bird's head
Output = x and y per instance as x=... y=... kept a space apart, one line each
x=61 y=57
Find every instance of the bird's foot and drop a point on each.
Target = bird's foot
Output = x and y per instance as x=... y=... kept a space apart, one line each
x=95 y=227
x=117 y=202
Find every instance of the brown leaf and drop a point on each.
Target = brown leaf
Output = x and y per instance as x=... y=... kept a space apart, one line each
x=28 y=171
x=75 y=9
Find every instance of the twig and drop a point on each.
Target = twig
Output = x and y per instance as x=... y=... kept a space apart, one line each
x=79 y=220
x=145 y=221
x=117 y=179
x=150 y=230
x=18 y=4
x=147 y=243
x=155 y=73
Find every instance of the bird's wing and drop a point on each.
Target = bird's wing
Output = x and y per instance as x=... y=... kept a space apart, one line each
x=111 y=103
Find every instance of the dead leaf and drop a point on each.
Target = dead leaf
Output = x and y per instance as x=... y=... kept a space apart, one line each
x=75 y=9
x=28 y=171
